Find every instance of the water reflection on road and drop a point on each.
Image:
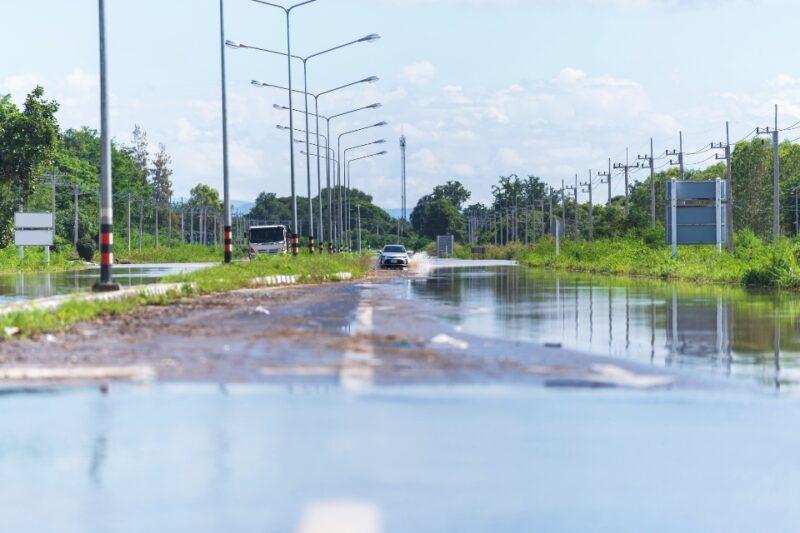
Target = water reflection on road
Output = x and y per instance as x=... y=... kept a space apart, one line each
x=18 y=287
x=724 y=329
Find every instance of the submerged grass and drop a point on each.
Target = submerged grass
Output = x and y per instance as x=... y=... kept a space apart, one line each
x=308 y=269
x=753 y=263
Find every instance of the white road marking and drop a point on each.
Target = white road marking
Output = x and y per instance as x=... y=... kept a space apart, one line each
x=446 y=340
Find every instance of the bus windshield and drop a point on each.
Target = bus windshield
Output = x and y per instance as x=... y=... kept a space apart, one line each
x=266 y=235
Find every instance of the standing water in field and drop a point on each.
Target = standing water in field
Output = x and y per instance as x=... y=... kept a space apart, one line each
x=27 y=286
x=726 y=330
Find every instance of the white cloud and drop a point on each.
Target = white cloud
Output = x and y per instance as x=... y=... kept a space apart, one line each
x=421 y=73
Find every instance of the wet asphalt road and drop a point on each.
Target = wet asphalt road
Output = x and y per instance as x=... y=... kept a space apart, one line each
x=349 y=334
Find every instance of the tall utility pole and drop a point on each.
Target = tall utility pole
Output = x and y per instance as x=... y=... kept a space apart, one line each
x=575 y=190
x=588 y=185
x=605 y=177
x=776 y=172
x=729 y=193
x=679 y=154
x=564 y=206
x=129 y=223
x=358 y=208
x=550 y=199
x=651 y=163
x=105 y=283
x=226 y=191
x=626 y=168
x=76 y=192
x=403 y=212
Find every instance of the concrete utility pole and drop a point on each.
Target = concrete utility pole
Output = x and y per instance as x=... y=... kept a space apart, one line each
x=626 y=168
x=651 y=163
x=403 y=213
x=588 y=185
x=76 y=191
x=564 y=206
x=141 y=223
x=679 y=154
x=605 y=177
x=105 y=283
x=575 y=190
x=129 y=223
x=358 y=209
x=550 y=199
x=226 y=195
x=776 y=172
x=729 y=193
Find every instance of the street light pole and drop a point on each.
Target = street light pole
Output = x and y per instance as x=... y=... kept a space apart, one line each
x=288 y=12
x=347 y=184
x=105 y=284
x=340 y=169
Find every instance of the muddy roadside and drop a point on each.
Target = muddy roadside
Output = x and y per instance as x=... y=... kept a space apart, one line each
x=345 y=334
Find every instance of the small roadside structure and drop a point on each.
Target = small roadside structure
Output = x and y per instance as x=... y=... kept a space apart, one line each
x=697 y=209
x=34 y=229
x=445 y=245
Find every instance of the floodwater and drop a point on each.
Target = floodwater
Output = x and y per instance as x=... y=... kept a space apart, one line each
x=202 y=458
x=469 y=458
x=724 y=330
x=27 y=286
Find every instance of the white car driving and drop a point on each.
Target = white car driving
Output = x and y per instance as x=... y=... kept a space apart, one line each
x=393 y=256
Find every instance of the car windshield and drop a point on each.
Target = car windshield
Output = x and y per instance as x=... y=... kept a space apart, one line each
x=394 y=250
x=266 y=235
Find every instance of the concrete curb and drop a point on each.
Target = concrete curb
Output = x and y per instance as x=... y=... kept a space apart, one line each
x=54 y=302
x=275 y=280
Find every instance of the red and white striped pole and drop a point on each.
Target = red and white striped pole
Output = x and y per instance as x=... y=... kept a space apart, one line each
x=105 y=284
x=226 y=192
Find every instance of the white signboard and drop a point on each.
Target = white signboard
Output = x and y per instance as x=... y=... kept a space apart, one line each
x=33 y=220
x=33 y=237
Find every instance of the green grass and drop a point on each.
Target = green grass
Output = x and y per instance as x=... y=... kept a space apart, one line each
x=176 y=253
x=309 y=269
x=753 y=263
x=216 y=279
x=34 y=261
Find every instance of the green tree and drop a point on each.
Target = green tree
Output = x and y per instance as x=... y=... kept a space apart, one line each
x=28 y=139
x=203 y=195
x=452 y=191
x=162 y=172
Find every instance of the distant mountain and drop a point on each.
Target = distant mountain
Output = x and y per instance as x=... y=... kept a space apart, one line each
x=394 y=213
x=242 y=206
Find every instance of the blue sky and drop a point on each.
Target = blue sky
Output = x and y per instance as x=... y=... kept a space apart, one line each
x=481 y=88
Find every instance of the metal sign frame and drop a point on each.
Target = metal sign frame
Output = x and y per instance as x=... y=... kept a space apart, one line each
x=695 y=213
x=34 y=229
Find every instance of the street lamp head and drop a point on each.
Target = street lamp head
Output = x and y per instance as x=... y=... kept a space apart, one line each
x=280 y=107
x=381 y=141
x=233 y=44
x=375 y=106
x=370 y=38
x=383 y=153
x=280 y=127
x=371 y=79
x=257 y=83
x=381 y=124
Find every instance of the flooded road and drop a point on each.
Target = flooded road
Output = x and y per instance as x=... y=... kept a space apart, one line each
x=27 y=286
x=724 y=330
x=201 y=458
x=417 y=403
